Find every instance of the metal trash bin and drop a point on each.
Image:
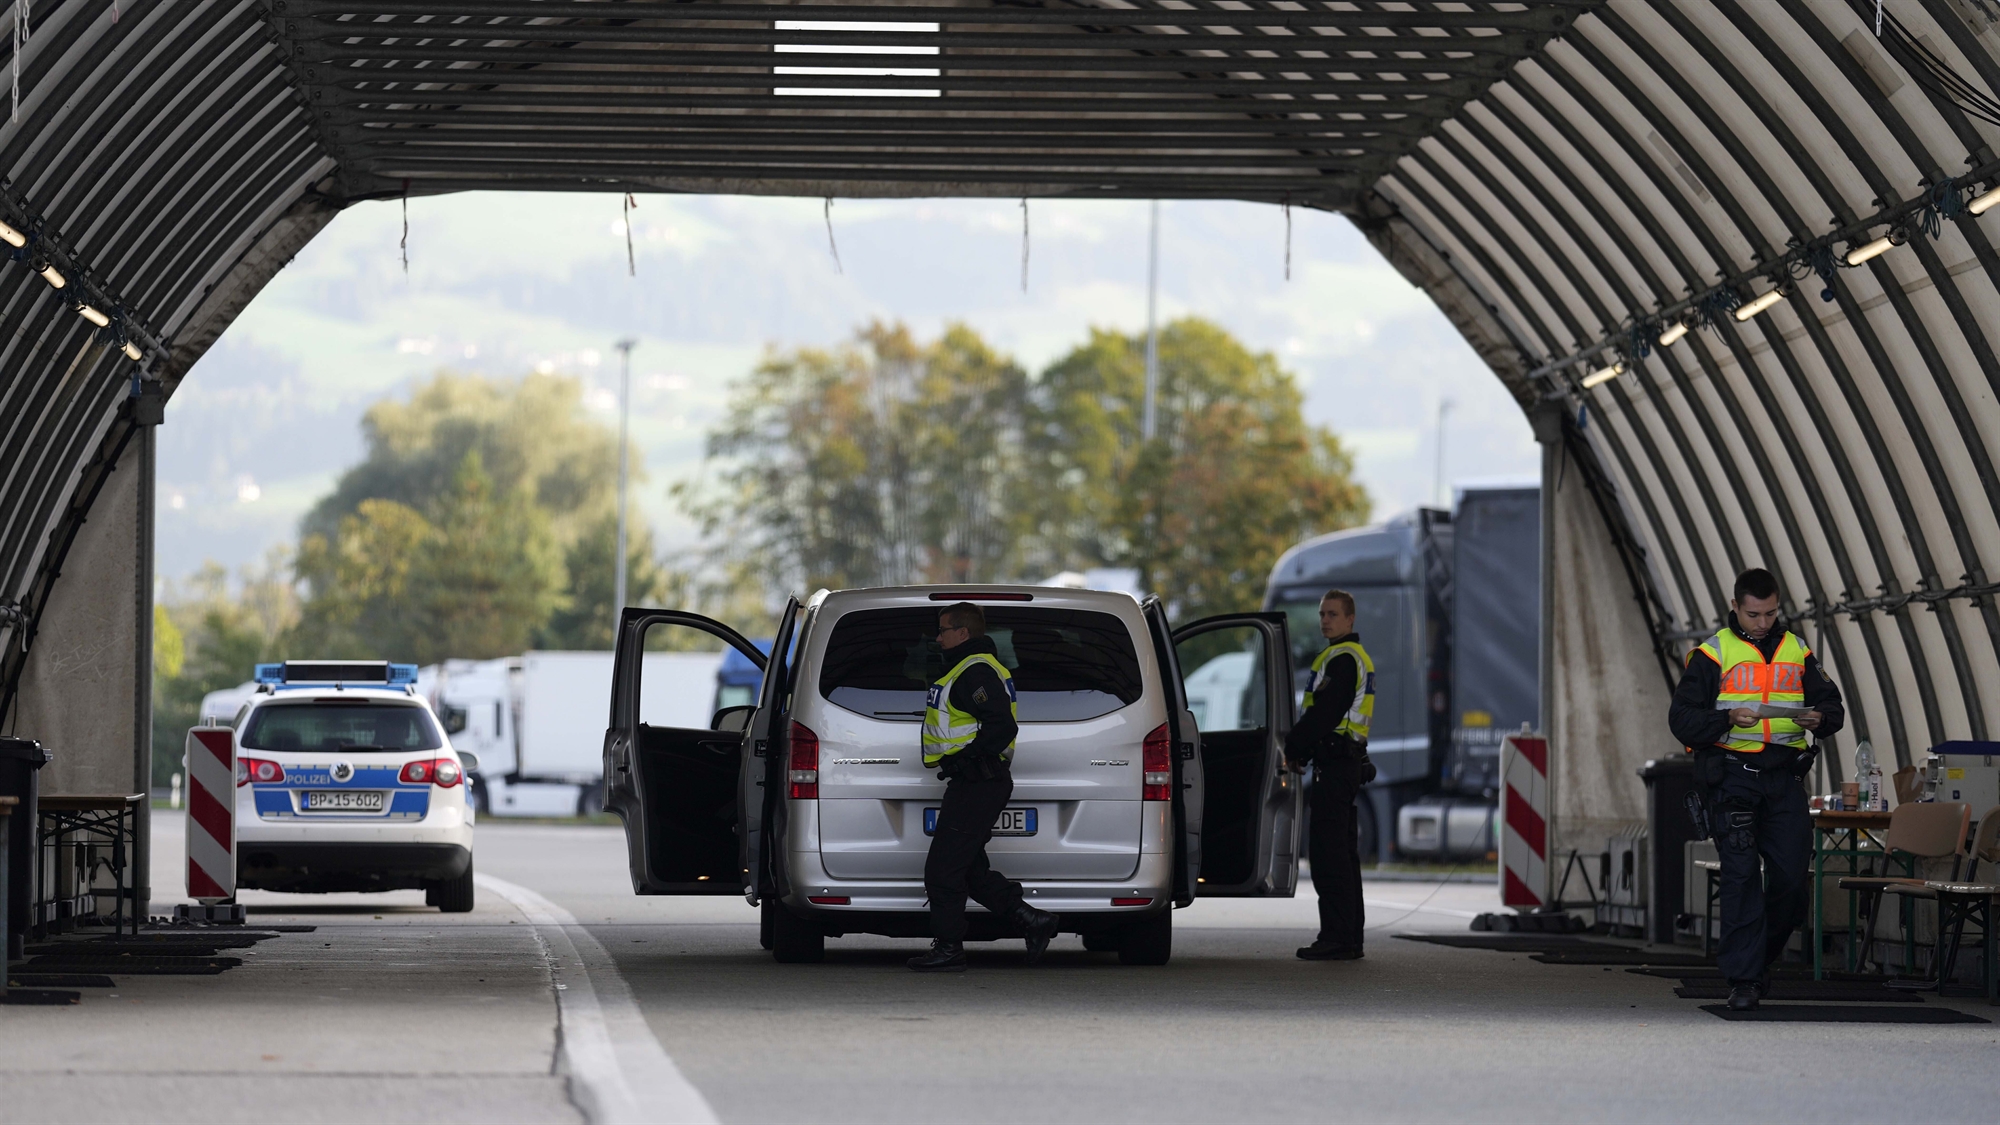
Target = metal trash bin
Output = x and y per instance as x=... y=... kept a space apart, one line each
x=21 y=762
x=1668 y=829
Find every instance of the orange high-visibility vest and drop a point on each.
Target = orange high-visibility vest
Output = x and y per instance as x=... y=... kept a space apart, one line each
x=1748 y=678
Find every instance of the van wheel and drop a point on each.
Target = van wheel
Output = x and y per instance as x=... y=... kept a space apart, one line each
x=765 y=923
x=1101 y=943
x=795 y=941
x=1150 y=942
x=452 y=896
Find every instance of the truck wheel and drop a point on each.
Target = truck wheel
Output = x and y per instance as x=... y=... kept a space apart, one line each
x=764 y=922
x=1150 y=942
x=452 y=896
x=795 y=941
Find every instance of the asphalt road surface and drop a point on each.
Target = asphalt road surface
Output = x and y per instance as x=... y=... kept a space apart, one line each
x=563 y=997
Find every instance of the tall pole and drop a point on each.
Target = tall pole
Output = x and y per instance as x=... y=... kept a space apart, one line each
x=1437 y=476
x=624 y=424
x=1148 y=421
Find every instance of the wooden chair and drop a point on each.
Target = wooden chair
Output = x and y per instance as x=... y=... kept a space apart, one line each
x=1916 y=831
x=1962 y=900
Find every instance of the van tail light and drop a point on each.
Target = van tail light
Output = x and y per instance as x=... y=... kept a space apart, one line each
x=441 y=772
x=804 y=763
x=1157 y=759
x=263 y=771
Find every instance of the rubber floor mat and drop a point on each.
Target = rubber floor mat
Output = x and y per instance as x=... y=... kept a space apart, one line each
x=1838 y=991
x=1511 y=943
x=114 y=947
x=1843 y=1013
x=59 y=980
x=40 y=996
x=1707 y=971
x=1615 y=956
x=132 y=966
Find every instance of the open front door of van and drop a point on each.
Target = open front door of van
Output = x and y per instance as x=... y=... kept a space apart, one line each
x=675 y=786
x=760 y=792
x=1236 y=675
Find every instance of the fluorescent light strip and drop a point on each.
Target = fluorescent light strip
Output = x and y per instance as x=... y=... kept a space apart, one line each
x=1603 y=375
x=93 y=316
x=1673 y=333
x=132 y=351
x=1978 y=206
x=53 y=276
x=1759 y=305
x=1874 y=249
x=12 y=237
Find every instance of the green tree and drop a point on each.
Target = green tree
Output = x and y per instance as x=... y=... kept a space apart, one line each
x=532 y=437
x=478 y=576
x=588 y=620
x=1233 y=476
x=207 y=636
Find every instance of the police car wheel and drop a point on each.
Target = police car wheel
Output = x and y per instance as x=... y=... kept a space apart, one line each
x=795 y=941
x=1150 y=942
x=452 y=896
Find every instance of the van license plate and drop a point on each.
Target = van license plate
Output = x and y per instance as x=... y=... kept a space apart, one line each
x=337 y=800
x=1012 y=822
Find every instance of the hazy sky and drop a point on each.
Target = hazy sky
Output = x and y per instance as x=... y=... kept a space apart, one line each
x=502 y=284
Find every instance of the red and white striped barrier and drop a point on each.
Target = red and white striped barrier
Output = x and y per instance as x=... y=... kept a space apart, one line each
x=1524 y=818
x=211 y=819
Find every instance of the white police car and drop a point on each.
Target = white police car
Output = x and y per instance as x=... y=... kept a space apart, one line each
x=345 y=781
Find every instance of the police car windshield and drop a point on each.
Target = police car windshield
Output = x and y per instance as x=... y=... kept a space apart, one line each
x=323 y=725
x=1068 y=664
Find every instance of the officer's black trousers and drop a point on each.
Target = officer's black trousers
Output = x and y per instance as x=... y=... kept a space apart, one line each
x=1336 y=864
x=1760 y=814
x=956 y=866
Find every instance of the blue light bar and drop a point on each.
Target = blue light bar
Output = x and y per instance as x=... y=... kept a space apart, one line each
x=296 y=672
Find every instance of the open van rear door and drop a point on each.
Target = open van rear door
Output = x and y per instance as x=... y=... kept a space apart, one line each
x=1236 y=676
x=676 y=788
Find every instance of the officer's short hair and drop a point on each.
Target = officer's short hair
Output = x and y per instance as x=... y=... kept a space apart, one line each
x=964 y=615
x=1756 y=583
x=1343 y=597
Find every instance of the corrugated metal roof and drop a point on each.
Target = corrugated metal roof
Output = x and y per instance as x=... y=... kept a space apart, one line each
x=1567 y=179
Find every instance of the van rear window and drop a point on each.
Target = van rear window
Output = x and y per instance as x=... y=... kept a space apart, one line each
x=326 y=725
x=1068 y=664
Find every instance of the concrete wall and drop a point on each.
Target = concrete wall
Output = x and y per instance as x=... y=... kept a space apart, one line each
x=86 y=693
x=1606 y=698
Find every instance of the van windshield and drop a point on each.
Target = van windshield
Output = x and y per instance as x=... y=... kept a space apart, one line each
x=324 y=725
x=1068 y=664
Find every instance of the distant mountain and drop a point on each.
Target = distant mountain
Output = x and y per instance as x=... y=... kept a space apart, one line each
x=507 y=283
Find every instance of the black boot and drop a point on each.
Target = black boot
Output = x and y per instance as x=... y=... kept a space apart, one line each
x=1037 y=927
x=944 y=957
x=1744 y=997
x=1327 y=951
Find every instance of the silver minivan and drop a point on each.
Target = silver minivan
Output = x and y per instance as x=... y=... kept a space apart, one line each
x=814 y=803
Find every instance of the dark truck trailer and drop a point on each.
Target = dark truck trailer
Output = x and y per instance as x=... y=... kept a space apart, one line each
x=1449 y=607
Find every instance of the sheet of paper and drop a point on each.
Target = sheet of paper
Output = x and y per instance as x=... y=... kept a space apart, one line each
x=1766 y=710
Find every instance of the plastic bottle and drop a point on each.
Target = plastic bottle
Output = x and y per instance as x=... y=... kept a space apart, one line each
x=1866 y=773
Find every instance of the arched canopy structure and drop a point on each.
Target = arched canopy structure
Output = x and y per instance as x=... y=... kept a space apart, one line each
x=1571 y=181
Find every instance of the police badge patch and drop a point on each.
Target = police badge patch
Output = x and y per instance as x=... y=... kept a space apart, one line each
x=979 y=696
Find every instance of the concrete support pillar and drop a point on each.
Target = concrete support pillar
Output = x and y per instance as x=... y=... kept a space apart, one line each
x=87 y=690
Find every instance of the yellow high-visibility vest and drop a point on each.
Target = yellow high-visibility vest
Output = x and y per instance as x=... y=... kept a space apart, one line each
x=1748 y=678
x=947 y=730
x=1360 y=709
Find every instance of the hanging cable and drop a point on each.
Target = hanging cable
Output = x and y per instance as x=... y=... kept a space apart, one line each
x=1934 y=72
x=20 y=44
x=831 y=245
x=631 y=263
x=1288 y=236
x=405 y=244
x=1024 y=244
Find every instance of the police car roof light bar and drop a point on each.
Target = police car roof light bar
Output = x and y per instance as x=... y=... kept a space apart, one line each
x=323 y=672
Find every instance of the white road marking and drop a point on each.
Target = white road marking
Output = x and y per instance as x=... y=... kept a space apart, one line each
x=618 y=1071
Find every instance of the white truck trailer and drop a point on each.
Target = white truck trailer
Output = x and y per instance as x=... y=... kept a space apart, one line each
x=537 y=721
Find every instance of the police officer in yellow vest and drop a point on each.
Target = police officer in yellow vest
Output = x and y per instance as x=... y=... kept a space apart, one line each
x=1332 y=737
x=968 y=736
x=1749 y=699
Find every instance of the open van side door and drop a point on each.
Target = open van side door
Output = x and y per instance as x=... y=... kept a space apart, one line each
x=1189 y=788
x=676 y=788
x=761 y=807
x=1236 y=674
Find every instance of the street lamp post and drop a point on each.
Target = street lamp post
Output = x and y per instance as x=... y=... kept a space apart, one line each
x=1148 y=418
x=624 y=424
